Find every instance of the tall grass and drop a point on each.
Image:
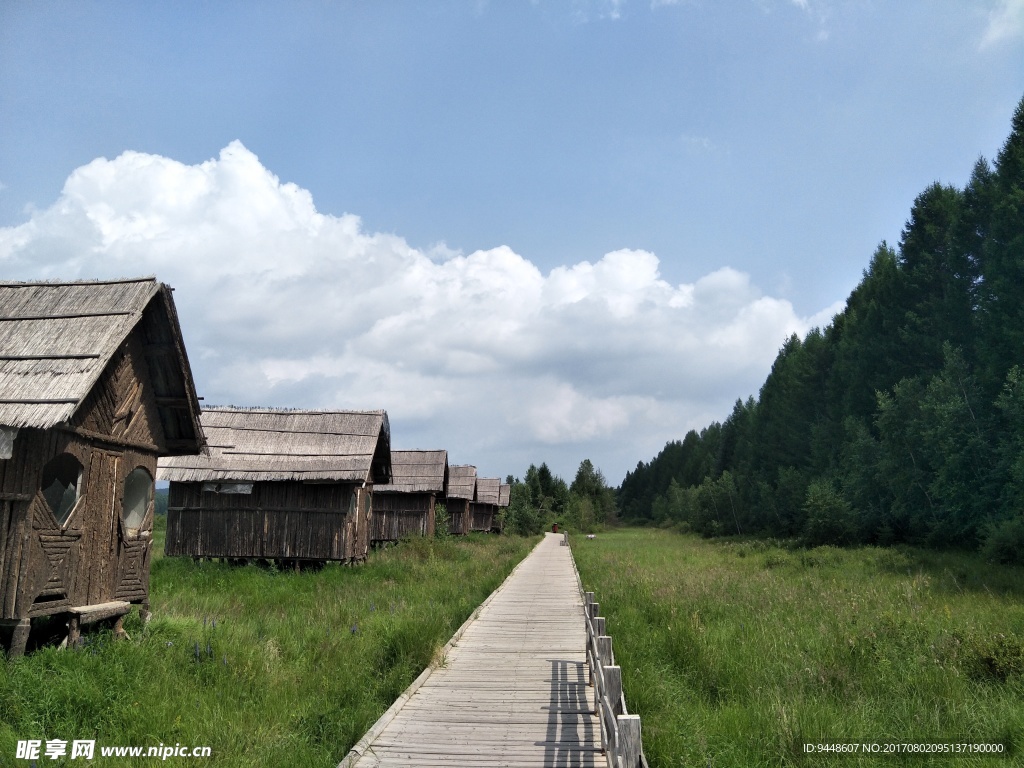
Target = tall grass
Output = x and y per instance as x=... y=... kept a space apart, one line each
x=267 y=668
x=739 y=653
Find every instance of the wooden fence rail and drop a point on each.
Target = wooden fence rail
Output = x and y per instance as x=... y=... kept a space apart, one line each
x=620 y=731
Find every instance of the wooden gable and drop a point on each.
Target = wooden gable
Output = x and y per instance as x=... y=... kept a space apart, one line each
x=123 y=405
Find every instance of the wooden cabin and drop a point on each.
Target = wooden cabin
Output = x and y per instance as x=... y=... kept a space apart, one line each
x=461 y=493
x=484 y=509
x=405 y=506
x=290 y=486
x=504 y=497
x=94 y=386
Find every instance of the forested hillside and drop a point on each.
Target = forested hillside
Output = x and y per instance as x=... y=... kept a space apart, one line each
x=903 y=420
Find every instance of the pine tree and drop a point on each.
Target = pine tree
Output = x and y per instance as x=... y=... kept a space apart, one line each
x=1001 y=294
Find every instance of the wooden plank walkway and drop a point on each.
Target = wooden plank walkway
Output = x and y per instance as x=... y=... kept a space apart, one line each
x=513 y=690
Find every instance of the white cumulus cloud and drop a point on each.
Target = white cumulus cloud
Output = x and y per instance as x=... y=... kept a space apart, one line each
x=1005 y=22
x=482 y=354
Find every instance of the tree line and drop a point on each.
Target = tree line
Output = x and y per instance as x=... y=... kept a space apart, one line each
x=542 y=498
x=902 y=420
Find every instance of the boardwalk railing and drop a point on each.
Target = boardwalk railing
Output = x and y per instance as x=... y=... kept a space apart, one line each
x=620 y=731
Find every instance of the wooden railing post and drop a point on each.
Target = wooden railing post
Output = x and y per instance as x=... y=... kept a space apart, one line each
x=613 y=688
x=588 y=598
x=629 y=740
x=620 y=731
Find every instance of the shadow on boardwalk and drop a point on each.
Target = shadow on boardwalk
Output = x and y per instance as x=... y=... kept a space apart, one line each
x=571 y=722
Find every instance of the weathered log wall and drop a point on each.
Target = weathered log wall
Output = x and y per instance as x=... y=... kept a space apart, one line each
x=277 y=521
x=401 y=514
x=458 y=516
x=481 y=516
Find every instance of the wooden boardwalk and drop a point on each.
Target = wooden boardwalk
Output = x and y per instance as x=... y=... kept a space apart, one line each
x=513 y=690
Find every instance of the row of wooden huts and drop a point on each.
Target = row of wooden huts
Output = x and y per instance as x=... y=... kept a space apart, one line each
x=272 y=482
x=97 y=401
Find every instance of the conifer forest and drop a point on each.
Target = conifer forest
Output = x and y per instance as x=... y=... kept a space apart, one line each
x=902 y=421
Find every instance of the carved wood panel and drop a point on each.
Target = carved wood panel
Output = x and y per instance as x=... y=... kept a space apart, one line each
x=54 y=555
x=133 y=570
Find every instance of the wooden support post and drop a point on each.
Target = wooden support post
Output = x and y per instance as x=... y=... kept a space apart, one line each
x=599 y=626
x=604 y=650
x=144 y=613
x=629 y=740
x=119 y=633
x=613 y=686
x=588 y=598
x=19 y=638
x=74 y=631
x=594 y=610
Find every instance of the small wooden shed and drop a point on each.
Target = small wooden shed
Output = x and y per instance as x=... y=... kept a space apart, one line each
x=461 y=493
x=484 y=509
x=292 y=486
x=94 y=386
x=405 y=506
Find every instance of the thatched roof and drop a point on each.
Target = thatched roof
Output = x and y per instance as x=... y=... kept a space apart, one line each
x=487 y=490
x=261 y=444
x=504 y=492
x=56 y=339
x=417 y=472
x=462 y=482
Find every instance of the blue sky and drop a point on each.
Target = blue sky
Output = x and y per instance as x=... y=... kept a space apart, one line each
x=742 y=159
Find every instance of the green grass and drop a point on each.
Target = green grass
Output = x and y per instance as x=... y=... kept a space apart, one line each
x=737 y=653
x=268 y=668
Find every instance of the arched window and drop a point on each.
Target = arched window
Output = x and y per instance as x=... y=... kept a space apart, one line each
x=62 y=484
x=138 y=493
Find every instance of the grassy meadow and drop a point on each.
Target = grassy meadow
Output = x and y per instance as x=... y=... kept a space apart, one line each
x=267 y=668
x=737 y=653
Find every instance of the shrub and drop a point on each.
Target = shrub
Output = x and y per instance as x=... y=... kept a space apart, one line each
x=441 y=521
x=996 y=657
x=830 y=518
x=1004 y=541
